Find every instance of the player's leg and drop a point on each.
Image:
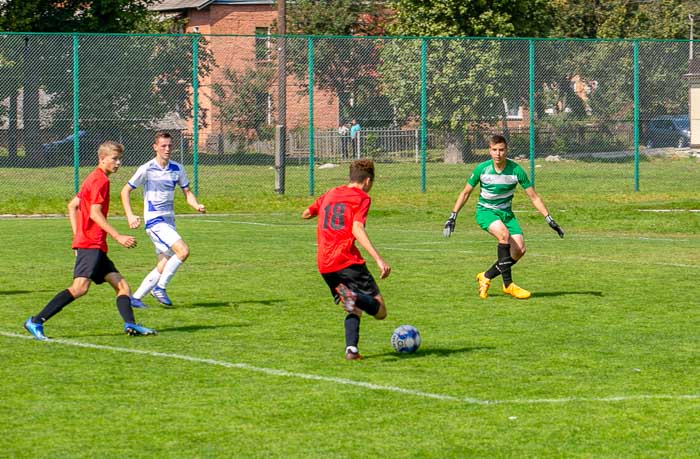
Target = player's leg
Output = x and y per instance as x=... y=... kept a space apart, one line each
x=516 y=249
x=122 y=290
x=182 y=252
x=149 y=281
x=352 y=319
x=359 y=288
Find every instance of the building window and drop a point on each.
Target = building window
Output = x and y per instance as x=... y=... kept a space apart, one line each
x=263 y=44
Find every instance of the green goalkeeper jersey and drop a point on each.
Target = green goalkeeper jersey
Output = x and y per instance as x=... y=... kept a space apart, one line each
x=497 y=188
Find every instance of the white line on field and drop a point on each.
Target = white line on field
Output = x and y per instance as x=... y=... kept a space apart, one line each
x=351 y=382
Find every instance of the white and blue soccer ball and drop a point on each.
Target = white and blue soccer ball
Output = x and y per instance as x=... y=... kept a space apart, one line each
x=405 y=339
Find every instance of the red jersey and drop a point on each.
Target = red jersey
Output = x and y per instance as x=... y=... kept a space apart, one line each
x=337 y=210
x=95 y=190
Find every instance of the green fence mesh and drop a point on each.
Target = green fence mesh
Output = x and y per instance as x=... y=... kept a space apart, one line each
x=425 y=108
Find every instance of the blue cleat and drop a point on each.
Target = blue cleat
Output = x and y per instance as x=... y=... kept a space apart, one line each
x=35 y=329
x=137 y=303
x=161 y=295
x=138 y=330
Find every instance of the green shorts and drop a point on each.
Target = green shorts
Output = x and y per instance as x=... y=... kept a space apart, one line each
x=484 y=217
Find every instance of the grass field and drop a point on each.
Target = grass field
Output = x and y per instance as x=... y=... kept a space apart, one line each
x=602 y=361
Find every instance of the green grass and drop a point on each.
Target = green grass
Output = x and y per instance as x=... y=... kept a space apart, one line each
x=602 y=361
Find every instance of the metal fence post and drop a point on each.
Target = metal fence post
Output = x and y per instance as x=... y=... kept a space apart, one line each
x=310 y=51
x=195 y=115
x=636 y=113
x=76 y=117
x=532 y=109
x=423 y=110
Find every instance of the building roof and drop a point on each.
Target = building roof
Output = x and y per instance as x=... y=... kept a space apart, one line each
x=172 y=5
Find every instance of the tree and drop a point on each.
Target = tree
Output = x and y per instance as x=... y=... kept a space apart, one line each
x=623 y=18
x=346 y=68
x=468 y=80
x=41 y=65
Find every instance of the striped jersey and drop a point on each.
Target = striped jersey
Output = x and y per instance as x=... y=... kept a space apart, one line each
x=159 y=190
x=497 y=188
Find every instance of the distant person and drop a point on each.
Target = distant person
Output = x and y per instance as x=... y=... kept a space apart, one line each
x=342 y=212
x=498 y=178
x=159 y=178
x=88 y=218
x=344 y=132
x=355 y=137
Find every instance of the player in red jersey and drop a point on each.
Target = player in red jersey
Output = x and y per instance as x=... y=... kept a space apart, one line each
x=88 y=218
x=342 y=212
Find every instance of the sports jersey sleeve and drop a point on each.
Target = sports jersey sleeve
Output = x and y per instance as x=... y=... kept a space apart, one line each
x=139 y=177
x=474 y=179
x=183 y=181
x=523 y=179
x=96 y=194
x=314 y=208
x=362 y=210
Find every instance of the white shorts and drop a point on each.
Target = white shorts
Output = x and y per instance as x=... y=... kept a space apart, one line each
x=163 y=236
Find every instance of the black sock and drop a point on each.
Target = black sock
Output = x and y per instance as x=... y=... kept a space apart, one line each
x=53 y=307
x=367 y=303
x=504 y=263
x=492 y=272
x=124 y=307
x=352 y=330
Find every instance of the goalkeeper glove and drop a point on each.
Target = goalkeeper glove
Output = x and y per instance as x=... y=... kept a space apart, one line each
x=450 y=225
x=554 y=225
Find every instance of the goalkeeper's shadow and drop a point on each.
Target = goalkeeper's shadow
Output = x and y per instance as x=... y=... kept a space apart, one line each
x=568 y=292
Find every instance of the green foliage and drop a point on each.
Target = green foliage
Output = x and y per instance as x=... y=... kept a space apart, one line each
x=334 y=17
x=622 y=18
x=509 y=18
x=99 y=16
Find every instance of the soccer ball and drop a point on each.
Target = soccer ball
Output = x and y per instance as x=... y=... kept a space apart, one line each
x=406 y=339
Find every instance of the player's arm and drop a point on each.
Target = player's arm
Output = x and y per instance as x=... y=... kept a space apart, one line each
x=358 y=230
x=97 y=217
x=73 y=207
x=134 y=220
x=192 y=201
x=537 y=202
x=312 y=210
x=459 y=203
x=307 y=214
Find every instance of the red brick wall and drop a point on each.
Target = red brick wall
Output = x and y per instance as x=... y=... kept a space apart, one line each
x=239 y=53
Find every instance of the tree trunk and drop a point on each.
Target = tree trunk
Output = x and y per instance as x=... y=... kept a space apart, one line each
x=457 y=148
x=12 y=126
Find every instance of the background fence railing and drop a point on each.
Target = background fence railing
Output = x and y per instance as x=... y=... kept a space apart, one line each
x=418 y=102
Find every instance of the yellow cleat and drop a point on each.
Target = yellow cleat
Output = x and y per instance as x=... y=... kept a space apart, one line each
x=516 y=292
x=484 y=284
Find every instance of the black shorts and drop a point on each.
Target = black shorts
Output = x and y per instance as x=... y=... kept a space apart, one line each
x=356 y=277
x=93 y=264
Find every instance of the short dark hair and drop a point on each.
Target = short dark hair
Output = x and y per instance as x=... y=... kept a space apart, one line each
x=361 y=169
x=161 y=135
x=496 y=139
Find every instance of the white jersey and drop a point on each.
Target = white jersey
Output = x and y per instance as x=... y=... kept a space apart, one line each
x=159 y=190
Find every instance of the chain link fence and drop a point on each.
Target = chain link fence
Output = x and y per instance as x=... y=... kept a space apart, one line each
x=610 y=110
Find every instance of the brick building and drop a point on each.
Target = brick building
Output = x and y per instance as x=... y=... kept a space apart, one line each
x=251 y=21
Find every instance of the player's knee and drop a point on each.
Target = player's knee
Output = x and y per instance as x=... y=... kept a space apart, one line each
x=381 y=314
x=78 y=290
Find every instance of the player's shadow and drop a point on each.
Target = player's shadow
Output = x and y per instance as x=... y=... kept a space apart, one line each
x=193 y=328
x=564 y=293
x=430 y=352
x=235 y=304
x=185 y=328
x=14 y=292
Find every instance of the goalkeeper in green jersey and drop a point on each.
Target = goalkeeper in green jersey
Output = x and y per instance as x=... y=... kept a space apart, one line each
x=498 y=178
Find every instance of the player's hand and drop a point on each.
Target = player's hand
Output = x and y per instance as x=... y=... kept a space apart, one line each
x=127 y=241
x=554 y=225
x=134 y=221
x=384 y=268
x=450 y=225
x=201 y=209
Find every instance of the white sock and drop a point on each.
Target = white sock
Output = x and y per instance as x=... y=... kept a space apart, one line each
x=169 y=271
x=147 y=284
